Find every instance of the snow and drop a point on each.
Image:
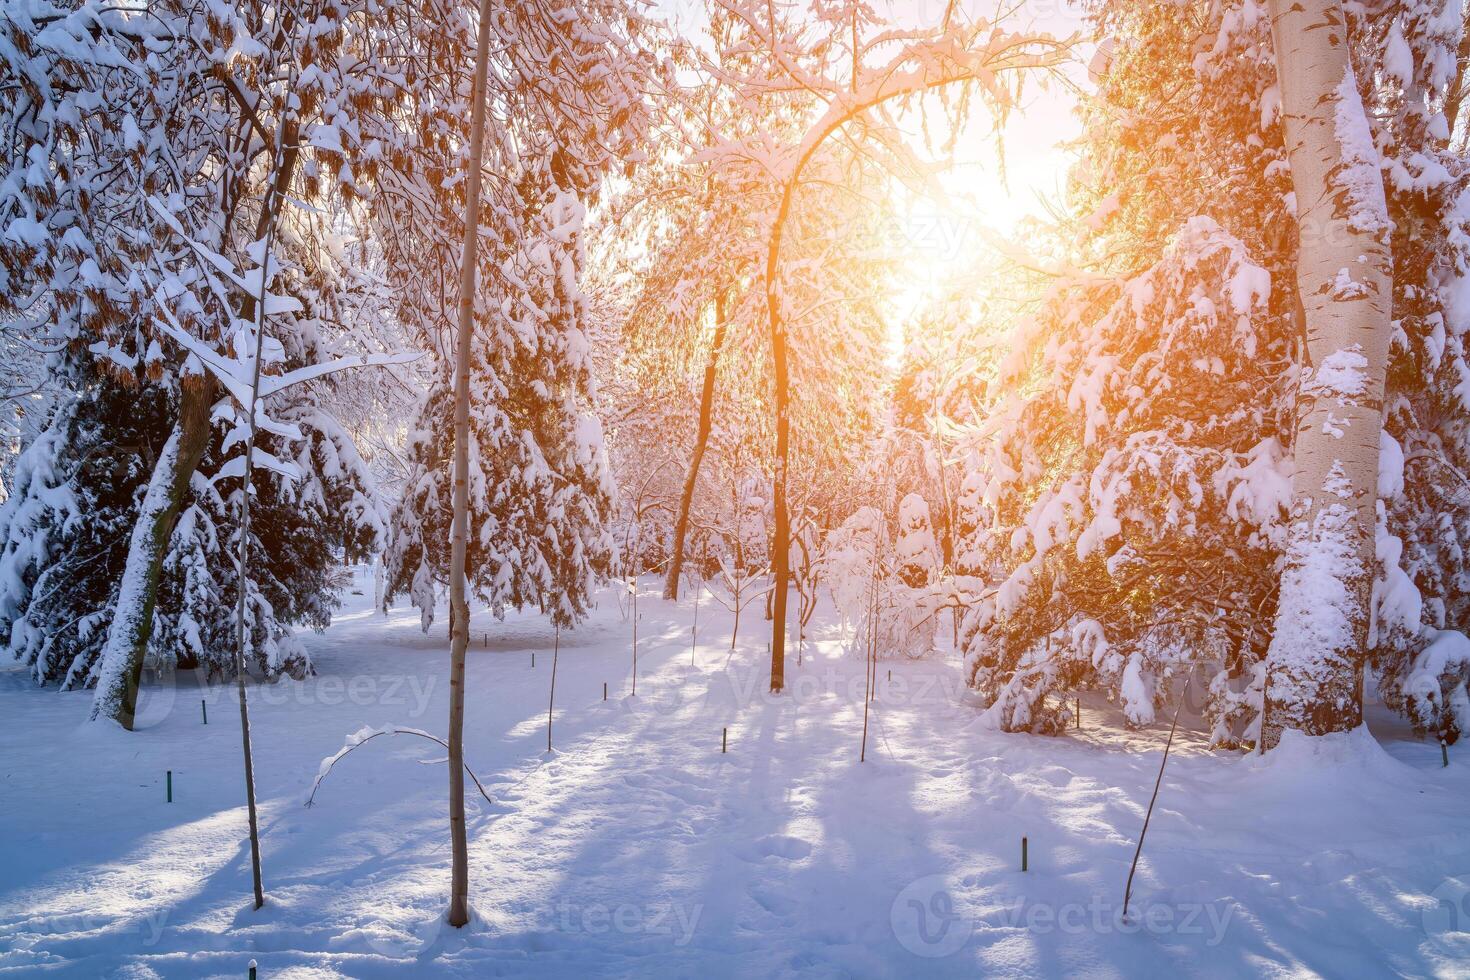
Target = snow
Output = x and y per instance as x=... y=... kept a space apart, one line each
x=638 y=849
x=1359 y=175
x=1398 y=58
x=1390 y=467
x=1314 y=632
x=1341 y=375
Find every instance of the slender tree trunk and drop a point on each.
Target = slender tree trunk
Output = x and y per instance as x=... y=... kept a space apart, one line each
x=551 y=698
x=701 y=441
x=120 y=669
x=459 y=613
x=257 y=312
x=781 y=539
x=287 y=153
x=1344 y=270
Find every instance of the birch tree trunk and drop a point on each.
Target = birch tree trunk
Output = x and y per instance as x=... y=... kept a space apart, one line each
x=120 y=669
x=701 y=441
x=1344 y=270
x=459 y=613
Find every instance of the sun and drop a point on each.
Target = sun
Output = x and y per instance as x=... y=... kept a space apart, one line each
x=978 y=204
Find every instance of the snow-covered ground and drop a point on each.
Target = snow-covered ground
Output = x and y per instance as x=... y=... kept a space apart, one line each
x=638 y=848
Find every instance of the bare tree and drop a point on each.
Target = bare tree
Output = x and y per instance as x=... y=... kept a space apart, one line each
x=459 y=613
x=701 y=442
x=741 y=589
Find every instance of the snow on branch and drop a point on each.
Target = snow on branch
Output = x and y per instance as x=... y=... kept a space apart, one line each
x=235 y=373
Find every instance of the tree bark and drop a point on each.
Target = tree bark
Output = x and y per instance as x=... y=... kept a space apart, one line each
x=121 y=667
x=1344 y=281
x=459 y=618
x=701 y=440
x=781 y=545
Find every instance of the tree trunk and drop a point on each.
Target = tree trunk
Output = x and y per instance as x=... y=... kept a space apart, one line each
x=121 y=667
x=701 y=440
x=1344 y=270
x=781 y=540
x=459 y=613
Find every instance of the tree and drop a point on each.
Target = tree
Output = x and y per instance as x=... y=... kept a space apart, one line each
x=1344 y=280
x=521 y=492
x=1133 y=494
x=689 y=235
x=1125 y=517
x=129 y=259
x=701 y=441
x=459 y=610
x=915 y=551
x=844 y=87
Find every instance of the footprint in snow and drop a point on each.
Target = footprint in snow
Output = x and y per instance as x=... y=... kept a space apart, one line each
x=776 y=845
x=774 y=903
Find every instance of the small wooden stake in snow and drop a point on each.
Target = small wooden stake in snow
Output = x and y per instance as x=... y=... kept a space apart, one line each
x=1079 y=712
x=1128 y=889
x=170 y=778
x=604 y=690
x=724 y=740
x=694 y=630
x=533 y=659
x=204 y=710
x=1023 y=854
x=1444 y=753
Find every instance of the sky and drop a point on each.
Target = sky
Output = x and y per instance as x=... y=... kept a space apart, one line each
x=1034 y=163
x=994 y=183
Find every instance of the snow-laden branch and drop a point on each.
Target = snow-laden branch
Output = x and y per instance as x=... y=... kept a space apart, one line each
x=236 y=374
x=233 y=373
x=366 y=734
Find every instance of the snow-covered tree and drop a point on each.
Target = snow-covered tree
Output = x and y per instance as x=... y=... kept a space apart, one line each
x=565 y=107
x=851 y=66
x=63 y=561
x=694 y=353
x=1138 y=487
x=1344 y=269
x=1131 y=495
x=150 y=156
x=916 y=554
